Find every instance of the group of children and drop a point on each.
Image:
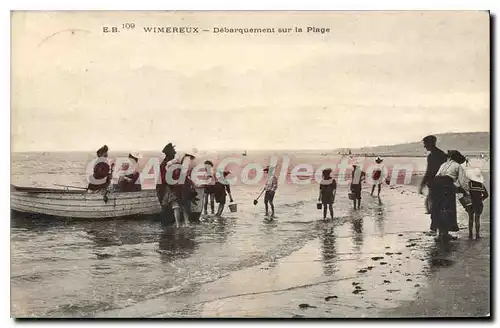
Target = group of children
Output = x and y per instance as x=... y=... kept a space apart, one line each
x=328 y=186
x=216 y=191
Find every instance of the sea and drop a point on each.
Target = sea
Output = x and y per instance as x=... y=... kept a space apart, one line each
x=241 y=265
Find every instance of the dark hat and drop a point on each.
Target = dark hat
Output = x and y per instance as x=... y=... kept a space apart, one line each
x=456 y=156
x=168 y=148
x=102 y=150
x=209 y=163
x=378 y=160
x=430 y=140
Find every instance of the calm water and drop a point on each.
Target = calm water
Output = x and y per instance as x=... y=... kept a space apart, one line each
x=87 y=268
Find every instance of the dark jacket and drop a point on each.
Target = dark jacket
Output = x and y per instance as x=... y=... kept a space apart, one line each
x=434 y=161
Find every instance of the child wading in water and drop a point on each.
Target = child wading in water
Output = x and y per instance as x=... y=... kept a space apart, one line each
x=358 y=177
x=209 y=188
x=478 y=194
x=327 y=191
x=220 y=190
x=378 y=176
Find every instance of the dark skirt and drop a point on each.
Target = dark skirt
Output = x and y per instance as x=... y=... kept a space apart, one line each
x=327 y=197
x=356 y=189
x=444 y=204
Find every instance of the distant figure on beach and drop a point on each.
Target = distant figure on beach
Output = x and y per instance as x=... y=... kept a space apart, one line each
x=478 y=194
x=221 y=189
x=377 y=176
x=327 y=191
x=129 y=182
x=357 y=178
x=209 y=188
x=102 y=173
x=270 y=188
x=444 y=190
x=434 y=161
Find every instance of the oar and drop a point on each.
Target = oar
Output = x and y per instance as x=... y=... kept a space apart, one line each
x=55 y=184
x=255 y=201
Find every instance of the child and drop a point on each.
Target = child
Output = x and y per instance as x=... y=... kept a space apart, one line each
x=209 y=188
x=327 y=191
x=270 y=187
x=478 y=194
x=377 y=176
x=358 y=177
x=220 y=190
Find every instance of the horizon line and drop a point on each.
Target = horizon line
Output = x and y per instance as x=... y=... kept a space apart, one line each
x=246 y=149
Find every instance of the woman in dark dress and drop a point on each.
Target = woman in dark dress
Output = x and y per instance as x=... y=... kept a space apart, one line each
x=101 y=177
x=444 y=205
x=327 y=191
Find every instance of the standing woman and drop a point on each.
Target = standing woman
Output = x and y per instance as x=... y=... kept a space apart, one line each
x=444 y=205
x=327 y=191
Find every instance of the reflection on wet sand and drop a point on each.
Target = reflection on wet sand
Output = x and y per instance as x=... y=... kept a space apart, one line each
x=176 y=243
x=328 y=251
x=357 y=237
x=379 y=215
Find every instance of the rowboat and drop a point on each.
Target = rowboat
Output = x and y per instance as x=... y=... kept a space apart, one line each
x=85 y=205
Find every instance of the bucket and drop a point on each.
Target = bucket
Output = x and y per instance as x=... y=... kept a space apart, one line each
x=319 y=206
x=352 y=196
x=233 y=207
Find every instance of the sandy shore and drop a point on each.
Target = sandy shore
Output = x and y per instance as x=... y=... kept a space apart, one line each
x=376 y=262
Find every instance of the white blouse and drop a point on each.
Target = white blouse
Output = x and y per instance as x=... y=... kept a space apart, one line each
x=456 y=172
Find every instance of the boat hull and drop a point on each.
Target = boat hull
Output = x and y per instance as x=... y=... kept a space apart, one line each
x=84 y=205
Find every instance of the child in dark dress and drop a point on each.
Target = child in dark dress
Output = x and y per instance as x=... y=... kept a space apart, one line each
x=220 y=190
x=327 y=191
x=478 y=194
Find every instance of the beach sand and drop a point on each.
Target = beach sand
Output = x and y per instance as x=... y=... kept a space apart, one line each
x=378 y=261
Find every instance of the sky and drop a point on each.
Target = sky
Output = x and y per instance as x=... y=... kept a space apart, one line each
x=376 y=78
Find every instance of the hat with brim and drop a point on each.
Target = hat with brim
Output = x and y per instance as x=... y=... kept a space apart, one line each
x=168 y=148
x=456 y=156
x=135 y=155
x=475 y=174
x=267 y=168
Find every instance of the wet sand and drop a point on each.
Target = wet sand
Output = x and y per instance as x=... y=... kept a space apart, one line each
x=375 y=262
x=379 y=261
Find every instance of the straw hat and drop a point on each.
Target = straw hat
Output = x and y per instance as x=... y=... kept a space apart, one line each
x=475 y=174
x=135 y=155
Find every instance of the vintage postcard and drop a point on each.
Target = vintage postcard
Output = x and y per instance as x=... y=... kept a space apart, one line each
x=279 y=164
